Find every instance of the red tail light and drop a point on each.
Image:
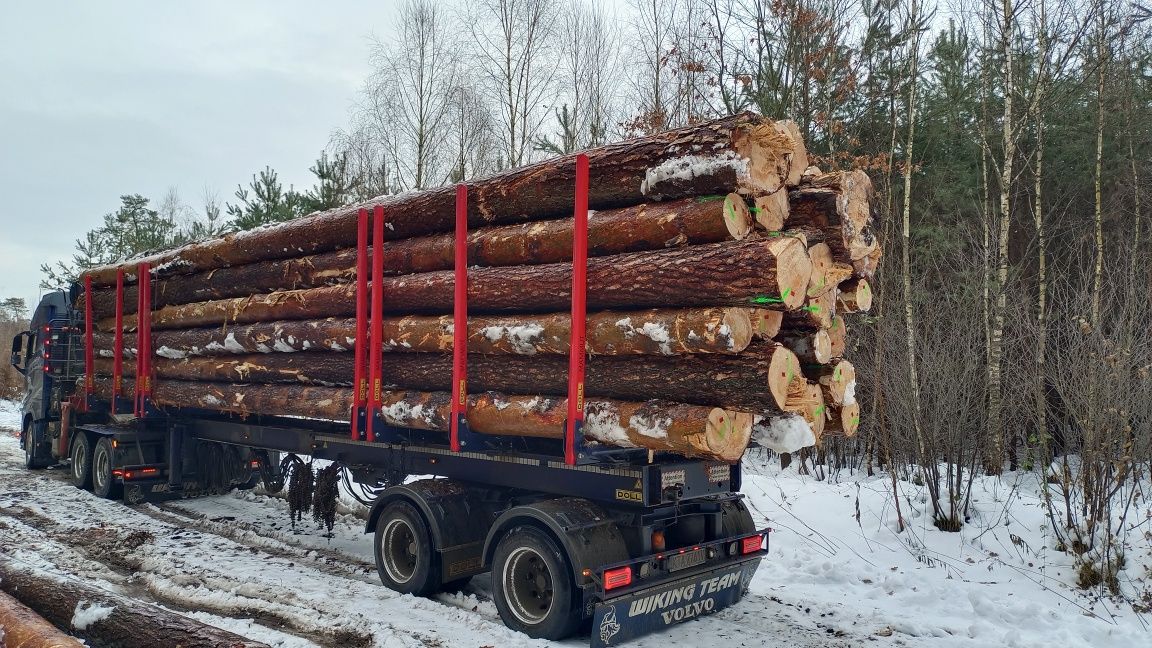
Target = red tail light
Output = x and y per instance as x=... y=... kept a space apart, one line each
x=751 y=544
x=616 y=578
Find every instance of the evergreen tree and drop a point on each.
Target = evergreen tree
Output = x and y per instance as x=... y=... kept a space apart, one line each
x=335 y=185
x=264 y=202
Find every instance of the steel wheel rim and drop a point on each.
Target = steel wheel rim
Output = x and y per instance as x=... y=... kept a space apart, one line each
x=398 y=551
x=78 y=456
x=528 y=586
x=99 y=473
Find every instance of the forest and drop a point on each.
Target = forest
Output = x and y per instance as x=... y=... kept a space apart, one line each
x=1009 y=143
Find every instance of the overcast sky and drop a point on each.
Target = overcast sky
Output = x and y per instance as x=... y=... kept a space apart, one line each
x=99 y=99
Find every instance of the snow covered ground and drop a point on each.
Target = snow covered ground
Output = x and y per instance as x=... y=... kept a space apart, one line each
x=838 y=574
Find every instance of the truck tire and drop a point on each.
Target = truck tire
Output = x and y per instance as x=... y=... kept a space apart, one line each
x=81 y=456
x=405 y=557
x=532 y=586
x=34 y=457
x=103 y=482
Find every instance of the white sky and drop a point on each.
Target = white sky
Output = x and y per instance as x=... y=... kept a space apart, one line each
x=98 y=99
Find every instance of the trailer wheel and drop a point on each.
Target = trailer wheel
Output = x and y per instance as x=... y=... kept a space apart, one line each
x=532 y=587
x=103 y=483
x=404 y=556
x=81 y=456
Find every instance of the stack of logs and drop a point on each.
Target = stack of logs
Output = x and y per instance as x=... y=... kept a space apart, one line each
x=720 y=268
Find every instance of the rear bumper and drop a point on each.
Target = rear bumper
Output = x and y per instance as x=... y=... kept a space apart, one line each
x=641 y=612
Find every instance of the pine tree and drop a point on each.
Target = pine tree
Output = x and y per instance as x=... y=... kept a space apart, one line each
x=335 y=185
x=264 y=202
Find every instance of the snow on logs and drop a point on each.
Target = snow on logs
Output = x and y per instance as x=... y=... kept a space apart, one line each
x=721 y=266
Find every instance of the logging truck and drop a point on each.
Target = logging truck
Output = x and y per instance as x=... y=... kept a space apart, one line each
x=615 y=542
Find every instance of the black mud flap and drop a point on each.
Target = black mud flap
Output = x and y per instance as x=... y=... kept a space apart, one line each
x=650 y=610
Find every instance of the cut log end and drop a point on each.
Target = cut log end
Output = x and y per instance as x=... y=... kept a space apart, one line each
x=728 y=433
x=772 y=210
x=768 y=150
x=737 y=216
x=783 y=371
x=866 y=265
x=766 y=323
x=838 y=334
x=839 y=383
x=793 y=270
x=855 y=296
x=738 y=322
x=843 y=421
x=821 y=256
x=807 y=401
x=798 y=160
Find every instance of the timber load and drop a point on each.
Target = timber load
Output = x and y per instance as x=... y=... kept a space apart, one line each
x=720 y=268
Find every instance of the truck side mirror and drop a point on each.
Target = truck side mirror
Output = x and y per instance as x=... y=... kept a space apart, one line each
x=18 y=343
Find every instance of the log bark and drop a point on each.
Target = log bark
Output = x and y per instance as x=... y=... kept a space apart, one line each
x=687 y=430
x=837 y=207
x=745 y=152
x=20 y=627
x=811 y=348
x=855 y=296
x=651 y=332
x=648 y=226
x=757 y=380
x=770 y=273
x=130 y=624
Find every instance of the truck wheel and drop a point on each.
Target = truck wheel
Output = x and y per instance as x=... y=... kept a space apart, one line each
x=81 y=456
x=33 y=456
x=404 y=555
x=103 y=483
x=532 y=587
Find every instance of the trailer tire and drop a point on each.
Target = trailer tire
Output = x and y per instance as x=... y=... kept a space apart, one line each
x=81 y=455
x=532 y=586
x=103 y=482
x=405 y=557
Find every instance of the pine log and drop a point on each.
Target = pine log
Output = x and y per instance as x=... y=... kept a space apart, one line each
x=20 y=627
x=757 y=380
x=745 y=152
x=765 y=273
x=836 y=380
x=855 y=296
x=766 y=323
x=129 y=624
x=798 y=160
x=772 y=210
x=687 y=430
x=817 y=314
x=838 y=335
x=648 y=226
x=651 y=332
x=807 y=401
x=843 y=420
x=836 y=207
x=812 y=348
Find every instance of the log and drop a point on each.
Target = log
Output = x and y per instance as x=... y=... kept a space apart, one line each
x=757 y=380
x=128 y=624
x=843 y=420
x=687 y=430
x=838 y=335
x=855 y=296
x=807 y=401
x=811 y=348
x=817 y=314
x=20 y=627
x=838 y=207
x=744 y=152
x=770 y=273
x=836 y=380
x=798 y=160
x=648 y=226
x=772 y=210
x=652 y=332
x=766 y=323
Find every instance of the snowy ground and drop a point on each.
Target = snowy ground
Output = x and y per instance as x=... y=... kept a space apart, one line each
x=838 y=574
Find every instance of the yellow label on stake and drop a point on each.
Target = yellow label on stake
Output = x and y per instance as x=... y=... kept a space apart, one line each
x=463 y=392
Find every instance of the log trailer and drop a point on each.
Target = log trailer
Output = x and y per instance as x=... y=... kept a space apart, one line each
x=577 y=537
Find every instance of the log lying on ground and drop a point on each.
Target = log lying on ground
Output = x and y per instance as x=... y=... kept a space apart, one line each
x=20 y=627
x=764 y=273
x=746 y=153
x=757 y=380
x=651 y=332
x=127 y=624
x=649 y=226
x=655 y=425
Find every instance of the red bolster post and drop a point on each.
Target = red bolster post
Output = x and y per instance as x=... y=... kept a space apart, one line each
x=118 y=340
x=359 y=382
x=144 y=323
x=89 y=352
x=377 y=316
x=579 y=312
x=138 y=395
x=460 y=320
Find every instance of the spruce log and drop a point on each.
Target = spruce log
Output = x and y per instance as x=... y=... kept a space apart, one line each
x=687 y=430
x=129 y=624
x=855 y=296
x=20 y=627
x=770 y=273
x=744 y=152
x=648 y=226
x=811 y=348
x=757 y=380
x=651 y=332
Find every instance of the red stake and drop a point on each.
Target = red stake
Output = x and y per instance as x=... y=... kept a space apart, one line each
x=118 y=340
x=138 y=396
x=460 y=320
x=377 y=315
x=89 y=353
x=359 y=382
x=579 y=311
x=144 y=323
